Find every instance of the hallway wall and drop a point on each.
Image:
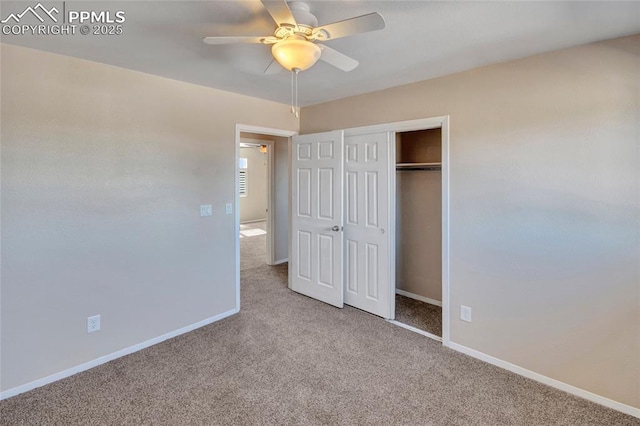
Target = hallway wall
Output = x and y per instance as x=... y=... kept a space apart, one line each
x=253 y=206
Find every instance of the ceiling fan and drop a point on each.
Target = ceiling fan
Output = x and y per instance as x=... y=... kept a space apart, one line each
x=293 y=42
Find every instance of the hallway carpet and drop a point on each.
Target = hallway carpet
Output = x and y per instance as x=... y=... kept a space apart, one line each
x=286 y=359
x=253 y=245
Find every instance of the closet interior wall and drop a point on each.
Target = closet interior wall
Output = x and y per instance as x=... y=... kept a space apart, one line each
x=419 y=214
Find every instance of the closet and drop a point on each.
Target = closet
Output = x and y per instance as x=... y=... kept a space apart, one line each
x=419 y=229
x=366 y=222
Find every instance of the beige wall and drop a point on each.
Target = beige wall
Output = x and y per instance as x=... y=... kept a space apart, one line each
x=103 y=172
x=253 y=207
x=419 y=233
x=545 y=208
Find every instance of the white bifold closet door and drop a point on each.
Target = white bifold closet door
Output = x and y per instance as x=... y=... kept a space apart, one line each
x=335 y=177
x=315 y=264
x=366 y=223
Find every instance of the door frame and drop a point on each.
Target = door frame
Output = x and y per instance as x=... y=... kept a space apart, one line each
x=247 y=128
x=441 y=122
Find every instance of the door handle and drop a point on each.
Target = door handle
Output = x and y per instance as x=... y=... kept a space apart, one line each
x=335 y=228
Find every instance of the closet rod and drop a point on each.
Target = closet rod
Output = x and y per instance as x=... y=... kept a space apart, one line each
x=412 y=169
x=419 y=166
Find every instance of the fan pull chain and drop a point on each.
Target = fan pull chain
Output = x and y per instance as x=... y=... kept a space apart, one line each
x=293 y=110
x=297 y=108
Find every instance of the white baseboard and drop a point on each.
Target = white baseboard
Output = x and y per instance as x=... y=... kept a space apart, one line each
x=280 y=262
x=418 y=297
x=627 y=409
x=110 y=357
x=253 y=221
x=415 y=330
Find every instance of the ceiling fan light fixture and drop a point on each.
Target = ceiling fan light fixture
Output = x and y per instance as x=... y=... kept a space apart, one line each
x=294 y=53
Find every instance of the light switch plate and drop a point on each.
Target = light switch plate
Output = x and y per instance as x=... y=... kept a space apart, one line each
x=228 y=208
x=206 y=210
x=465 y=313
x=93 y=324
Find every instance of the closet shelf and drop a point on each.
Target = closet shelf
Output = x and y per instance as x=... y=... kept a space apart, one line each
x=418 y=166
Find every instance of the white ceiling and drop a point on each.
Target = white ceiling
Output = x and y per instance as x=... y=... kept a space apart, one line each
x=422 y=40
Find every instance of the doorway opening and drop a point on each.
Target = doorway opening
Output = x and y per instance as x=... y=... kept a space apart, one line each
x=418 y=227
x=254 y=189
x=262 y=198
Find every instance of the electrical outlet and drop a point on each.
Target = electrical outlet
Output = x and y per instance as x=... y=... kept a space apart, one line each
x=206 y=210
x=228 y=208
x=93 y=324
x=465 y=313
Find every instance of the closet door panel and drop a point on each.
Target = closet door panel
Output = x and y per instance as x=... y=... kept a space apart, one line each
x=351 y=265
x=371 y=203
x=351 y=187
x=367 y=210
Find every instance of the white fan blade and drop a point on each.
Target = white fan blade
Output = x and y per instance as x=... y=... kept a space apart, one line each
x=233 y=40
x=361 y=24
x=280 y=12
x=273 y=68
x=337 y=59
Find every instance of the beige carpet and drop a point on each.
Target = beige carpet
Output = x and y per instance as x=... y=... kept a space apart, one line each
x=253 y=245
x=419 y=314
x=286 y=359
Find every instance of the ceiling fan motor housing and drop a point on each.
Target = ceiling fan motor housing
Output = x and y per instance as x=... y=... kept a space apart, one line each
x=304 y=25
x=301 y=12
